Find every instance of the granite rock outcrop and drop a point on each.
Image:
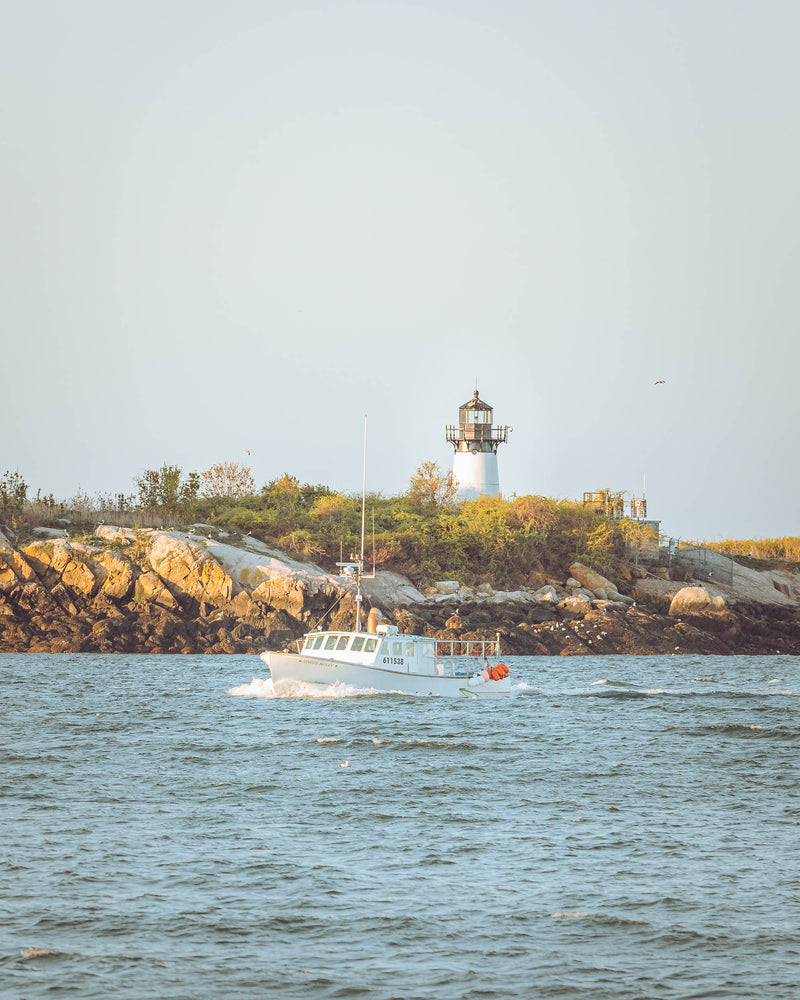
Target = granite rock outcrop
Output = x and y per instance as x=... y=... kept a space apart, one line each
x=182 y=592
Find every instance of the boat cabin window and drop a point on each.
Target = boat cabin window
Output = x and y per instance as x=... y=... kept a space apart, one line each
x=427 y=649
x=397 y=648
x=342 y=643
x=318 y=641
x=409 y=649
x=358 y=644
x=370 y=645
x=330 y=642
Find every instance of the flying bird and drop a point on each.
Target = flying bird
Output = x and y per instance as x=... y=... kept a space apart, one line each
x=246 y=451
x=661 y=381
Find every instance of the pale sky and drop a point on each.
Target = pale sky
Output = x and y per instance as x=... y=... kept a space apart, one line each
x=243 y=225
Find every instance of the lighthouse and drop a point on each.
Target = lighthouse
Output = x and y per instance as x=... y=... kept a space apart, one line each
x=475 y=442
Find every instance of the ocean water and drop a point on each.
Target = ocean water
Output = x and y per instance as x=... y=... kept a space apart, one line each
x=622 y=827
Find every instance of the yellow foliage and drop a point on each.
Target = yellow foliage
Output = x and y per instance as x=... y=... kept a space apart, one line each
x=227 y=479
x=787 y=548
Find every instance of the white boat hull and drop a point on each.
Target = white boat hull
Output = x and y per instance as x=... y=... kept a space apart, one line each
x=297 y=667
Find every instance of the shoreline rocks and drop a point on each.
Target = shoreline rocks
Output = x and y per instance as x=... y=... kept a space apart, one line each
x=173 y=592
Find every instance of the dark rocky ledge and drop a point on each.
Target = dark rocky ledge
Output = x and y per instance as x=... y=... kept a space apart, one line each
x=162 y=593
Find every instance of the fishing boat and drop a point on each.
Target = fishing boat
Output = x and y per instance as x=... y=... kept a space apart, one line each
x=381 y=659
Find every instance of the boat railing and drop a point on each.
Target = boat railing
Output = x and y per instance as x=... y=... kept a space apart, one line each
x=467 y=648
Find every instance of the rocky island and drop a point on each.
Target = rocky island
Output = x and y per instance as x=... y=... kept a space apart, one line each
x=156 y=591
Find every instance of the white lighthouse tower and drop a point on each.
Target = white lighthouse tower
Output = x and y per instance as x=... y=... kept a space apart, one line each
x=476 y=441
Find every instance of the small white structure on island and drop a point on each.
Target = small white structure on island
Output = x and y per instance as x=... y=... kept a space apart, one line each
x=475 y=442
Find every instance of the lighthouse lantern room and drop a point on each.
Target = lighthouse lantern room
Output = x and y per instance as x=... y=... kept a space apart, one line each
x=475 y=442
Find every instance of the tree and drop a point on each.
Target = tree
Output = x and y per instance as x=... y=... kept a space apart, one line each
x=431 y=488
x=13 y=492
x=227 y=479
x=163 y=489
x=337 y=518
x=284 y=499
x=532 y=513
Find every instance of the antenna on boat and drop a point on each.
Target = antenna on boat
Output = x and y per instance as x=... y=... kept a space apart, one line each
x=360 y=571
x=353 y=567
x=363 y=490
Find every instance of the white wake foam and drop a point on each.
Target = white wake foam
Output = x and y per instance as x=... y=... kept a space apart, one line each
x=259 y=688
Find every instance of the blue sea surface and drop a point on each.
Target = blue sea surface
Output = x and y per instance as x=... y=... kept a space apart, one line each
x=622 y=827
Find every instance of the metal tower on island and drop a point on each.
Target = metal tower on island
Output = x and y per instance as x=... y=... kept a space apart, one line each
x=475 y=442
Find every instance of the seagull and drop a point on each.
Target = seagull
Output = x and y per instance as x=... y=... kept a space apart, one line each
x=661 y=381
x=345 y=764
x=246 y=451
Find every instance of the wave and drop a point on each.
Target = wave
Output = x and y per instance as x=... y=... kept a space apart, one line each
x=616 y=689
x=414 y=742
x=607 y=680
x=754 y=731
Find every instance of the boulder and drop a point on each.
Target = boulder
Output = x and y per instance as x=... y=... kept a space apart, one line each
x=115 y=574
x=386 y=589
x=48 y=558
x=149 y=588
x=695 y=601
x=111 y=533
x=591 y=579
x=546 y=595
x=484 y=588
x=8 y=578
x=284 y=593
x=242 y=606
x=14 y=569
x=66 y=562
x=447 y=586
x=43 y=532
x=78 y=577
x=189 y=570
x=513 y=596
x=704 y=611
x=576 y=604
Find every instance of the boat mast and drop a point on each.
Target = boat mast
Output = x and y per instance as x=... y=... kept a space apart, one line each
x=360 y=570
x=355 y=567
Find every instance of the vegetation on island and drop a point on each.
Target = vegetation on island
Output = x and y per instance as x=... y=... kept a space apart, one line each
x=757 y=551
x=424 y=533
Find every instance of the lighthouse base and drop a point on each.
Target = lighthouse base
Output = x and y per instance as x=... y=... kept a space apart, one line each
x=476 y=474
